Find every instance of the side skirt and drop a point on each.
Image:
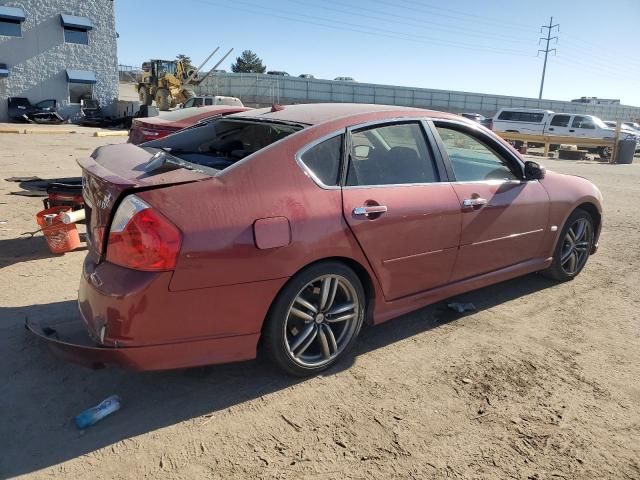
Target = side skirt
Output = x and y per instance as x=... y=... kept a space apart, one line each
x=395 y=308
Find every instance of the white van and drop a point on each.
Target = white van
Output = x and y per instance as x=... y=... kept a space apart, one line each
x=521 y=120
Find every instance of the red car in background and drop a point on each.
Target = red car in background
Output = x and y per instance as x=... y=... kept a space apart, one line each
x=154 y=128
x=287 y=229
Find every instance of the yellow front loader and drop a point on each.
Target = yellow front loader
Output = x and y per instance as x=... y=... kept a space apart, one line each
x=167 y=81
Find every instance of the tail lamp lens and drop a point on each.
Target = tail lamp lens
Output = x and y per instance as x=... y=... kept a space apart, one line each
x=141 y=238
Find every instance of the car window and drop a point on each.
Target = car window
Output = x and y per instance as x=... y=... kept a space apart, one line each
x=560 y=120
x=472 y=160
x=323 y=160
x=189 y=103
x=389 y=155
x=583 y=122
x=209 y=101
x=513 y=116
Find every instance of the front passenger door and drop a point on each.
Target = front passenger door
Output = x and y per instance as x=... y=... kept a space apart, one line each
x=504 y=217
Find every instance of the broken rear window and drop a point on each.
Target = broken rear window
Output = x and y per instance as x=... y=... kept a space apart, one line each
x=218 y=144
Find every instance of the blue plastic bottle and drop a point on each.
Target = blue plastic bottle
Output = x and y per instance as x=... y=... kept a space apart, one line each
x=97 y=413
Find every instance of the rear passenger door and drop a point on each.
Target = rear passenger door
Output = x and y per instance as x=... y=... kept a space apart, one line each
x=400 y=206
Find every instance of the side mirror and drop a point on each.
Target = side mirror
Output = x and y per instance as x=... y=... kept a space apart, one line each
x=533 y=171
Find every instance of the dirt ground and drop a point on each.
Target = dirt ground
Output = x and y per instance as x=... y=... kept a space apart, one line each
x=541 y=382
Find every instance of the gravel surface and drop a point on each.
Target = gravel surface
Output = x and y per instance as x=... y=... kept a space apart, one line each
x=541 y=382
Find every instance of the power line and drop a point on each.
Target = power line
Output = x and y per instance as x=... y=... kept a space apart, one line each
x=546 y=51
x=412 y=21
x=359 y=28
x=457 y=15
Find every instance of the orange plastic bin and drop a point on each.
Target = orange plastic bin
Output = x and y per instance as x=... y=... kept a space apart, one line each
x=60 y=237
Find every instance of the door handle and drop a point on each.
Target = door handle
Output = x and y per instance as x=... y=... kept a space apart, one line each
x=474 y=202
x=551 y=129
x=571 y=130
x=370 y=210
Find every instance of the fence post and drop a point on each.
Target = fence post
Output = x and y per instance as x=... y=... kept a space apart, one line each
x=614 y=150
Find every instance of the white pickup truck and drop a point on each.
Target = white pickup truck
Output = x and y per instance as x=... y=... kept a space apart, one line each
x=546 y=122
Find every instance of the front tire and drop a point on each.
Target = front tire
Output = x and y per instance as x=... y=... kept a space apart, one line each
x=163 y=99
x=573 y=247
x=315 y=319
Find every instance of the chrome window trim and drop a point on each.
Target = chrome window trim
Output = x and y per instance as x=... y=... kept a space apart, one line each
x=307 y=171
x=396 y=185
x=383 y=121
x=420 y=119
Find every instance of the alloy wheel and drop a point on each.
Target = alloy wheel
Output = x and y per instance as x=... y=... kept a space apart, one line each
x=321 y=320
x=576 y=246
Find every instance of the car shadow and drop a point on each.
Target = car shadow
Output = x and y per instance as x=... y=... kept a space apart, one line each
x=26 y=248
x=42 y=394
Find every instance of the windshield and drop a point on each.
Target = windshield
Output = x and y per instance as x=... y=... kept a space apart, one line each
x=218 y=144
x=599 y=122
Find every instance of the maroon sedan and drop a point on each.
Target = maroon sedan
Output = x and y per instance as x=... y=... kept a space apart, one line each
x=287 y=229
x=154 y=128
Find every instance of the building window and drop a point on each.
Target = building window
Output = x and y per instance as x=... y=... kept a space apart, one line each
x=80 y=85
x=76 y=35
x=76 y=29
x=11 y=19
x=80 y=91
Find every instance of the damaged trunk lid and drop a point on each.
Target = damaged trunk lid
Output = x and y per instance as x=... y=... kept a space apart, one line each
x=112 y=172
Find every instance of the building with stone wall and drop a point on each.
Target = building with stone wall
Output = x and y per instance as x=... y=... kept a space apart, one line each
x=58 y=49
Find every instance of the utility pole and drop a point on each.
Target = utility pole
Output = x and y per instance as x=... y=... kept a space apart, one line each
x=546 y=51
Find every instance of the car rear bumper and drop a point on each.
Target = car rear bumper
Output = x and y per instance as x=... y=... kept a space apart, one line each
x=70 y=341
x=131 y=319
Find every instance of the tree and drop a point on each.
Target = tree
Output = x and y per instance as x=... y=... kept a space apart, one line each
x=186 y=61
x=248 y=62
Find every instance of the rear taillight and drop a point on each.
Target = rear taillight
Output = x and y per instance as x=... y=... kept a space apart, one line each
x=149 y=134
x=141 y=238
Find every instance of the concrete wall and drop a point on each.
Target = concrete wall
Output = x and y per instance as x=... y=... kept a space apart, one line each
x=39 y=59
x=260 y=89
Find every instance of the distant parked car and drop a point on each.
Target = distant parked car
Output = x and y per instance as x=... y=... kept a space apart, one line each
x=261 y=230
x=344 y=79
x=535 y=121
x=481 y=119
x=278 y=72
x=633 y=125
x=306 y=75
x=153 y=128
x=210 y=100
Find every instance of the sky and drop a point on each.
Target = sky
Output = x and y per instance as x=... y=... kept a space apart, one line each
x=487 y=46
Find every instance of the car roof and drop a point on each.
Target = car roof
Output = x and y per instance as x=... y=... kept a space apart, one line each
x=317 y=113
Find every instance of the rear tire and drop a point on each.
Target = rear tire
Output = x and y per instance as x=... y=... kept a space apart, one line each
x=573 y=247
x=315 y=319
x=163 y=99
